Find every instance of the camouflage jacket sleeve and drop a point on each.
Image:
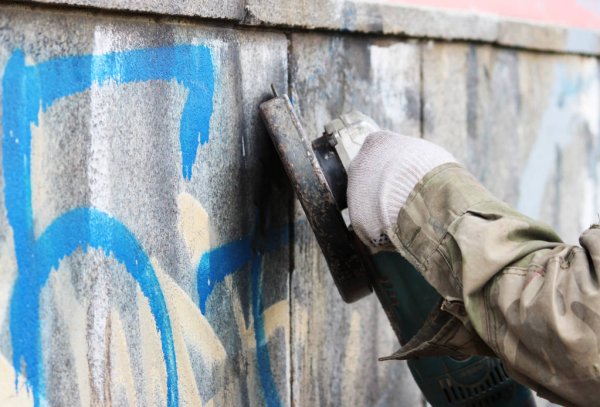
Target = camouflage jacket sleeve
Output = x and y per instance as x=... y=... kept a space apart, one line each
x=510 y=284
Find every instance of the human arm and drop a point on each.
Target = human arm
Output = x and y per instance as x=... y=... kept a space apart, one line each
x=509 y=280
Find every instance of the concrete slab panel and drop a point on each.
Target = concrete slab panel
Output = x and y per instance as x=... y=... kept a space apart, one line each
x=524 y=123
x=335 y=346
x=144 y=251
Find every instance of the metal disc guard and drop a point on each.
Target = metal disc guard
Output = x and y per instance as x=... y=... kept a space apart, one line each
x=344 y=253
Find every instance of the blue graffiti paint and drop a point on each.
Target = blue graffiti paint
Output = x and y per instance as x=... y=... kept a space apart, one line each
x=262 y=351
x=222 y=261
x=189 y=65
x=29 y=89
x=217 y=264
x=85 y=228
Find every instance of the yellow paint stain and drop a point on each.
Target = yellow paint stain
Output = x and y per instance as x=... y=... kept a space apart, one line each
x=190 y=329
x=121 y=374
x=153 y=365
x=193 y=226
x=188 y=326
x=276 y=316
x=73 y=314
x=9 y=395
x=186 y=319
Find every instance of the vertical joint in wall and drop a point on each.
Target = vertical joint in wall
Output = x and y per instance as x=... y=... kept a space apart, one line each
x=292 y=210
x=421 y=93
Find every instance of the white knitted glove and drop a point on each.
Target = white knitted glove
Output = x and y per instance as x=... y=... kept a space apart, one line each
x=380 y=179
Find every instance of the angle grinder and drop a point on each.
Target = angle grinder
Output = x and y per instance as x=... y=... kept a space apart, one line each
x=317 y=171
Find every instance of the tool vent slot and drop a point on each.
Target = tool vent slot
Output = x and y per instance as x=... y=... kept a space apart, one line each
x=493 y=388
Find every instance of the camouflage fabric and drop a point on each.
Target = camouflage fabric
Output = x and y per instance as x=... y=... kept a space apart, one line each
x=511 y=287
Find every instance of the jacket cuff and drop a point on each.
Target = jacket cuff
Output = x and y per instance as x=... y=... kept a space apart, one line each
x=443 y=334
x=421 y=236
x=421 y=231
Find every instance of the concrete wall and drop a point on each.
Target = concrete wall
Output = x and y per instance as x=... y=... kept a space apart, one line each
x=151 y=252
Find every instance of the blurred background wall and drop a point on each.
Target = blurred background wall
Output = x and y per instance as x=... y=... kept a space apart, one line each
x=575 y=13
x=151 y=252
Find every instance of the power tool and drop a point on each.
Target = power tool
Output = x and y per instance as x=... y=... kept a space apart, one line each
x=317 y=171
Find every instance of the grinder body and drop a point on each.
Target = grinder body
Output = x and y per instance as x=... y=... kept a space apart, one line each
x=317 y=173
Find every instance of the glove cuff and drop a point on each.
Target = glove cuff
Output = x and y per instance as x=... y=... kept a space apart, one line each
x=381 y=178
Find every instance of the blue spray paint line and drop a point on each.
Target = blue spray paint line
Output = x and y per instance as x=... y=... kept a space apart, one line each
x=189 y=65
x=222 y=261
x=217 y=264
x=84 y=228
x=31 y=89
x=270 y=392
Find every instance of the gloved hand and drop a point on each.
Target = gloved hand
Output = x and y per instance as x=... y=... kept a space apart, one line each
x=380 y=179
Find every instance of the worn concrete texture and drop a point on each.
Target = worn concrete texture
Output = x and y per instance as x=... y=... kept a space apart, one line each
x=374 y=17
x=223 y=9
x=133 y=174
x=145 y=222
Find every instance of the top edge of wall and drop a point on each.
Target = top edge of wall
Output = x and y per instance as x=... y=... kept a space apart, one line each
x=369 y=17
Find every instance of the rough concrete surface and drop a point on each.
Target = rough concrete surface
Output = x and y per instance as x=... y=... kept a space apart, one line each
x=224 y=9
x=525 y=123
x=162 y=253
x=372 y=17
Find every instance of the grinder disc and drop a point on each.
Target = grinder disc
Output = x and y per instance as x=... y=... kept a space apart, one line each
x=341 y=248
